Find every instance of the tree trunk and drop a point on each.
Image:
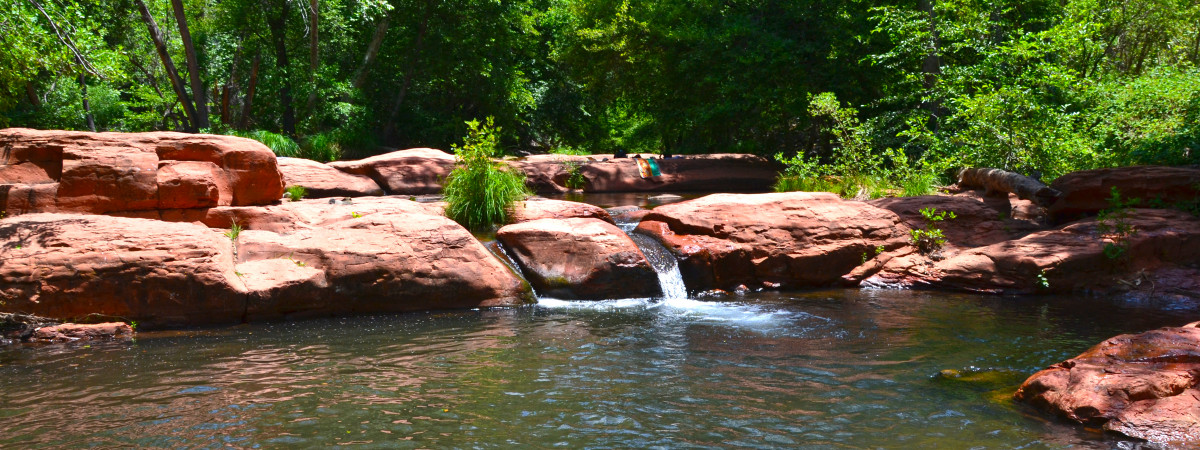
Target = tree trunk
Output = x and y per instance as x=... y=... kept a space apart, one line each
x=360 y=76
x=1000 y=181
x=244 y=120
x=931 y=66
x=230 y=87
x=408 y=75
x=313 y=54
x=279 y=37
x=87 y=107
x=172 y=74
x=32 y=94
x=198 y=93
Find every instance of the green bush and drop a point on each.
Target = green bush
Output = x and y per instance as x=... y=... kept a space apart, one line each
x=479 y=191
x=278 y=143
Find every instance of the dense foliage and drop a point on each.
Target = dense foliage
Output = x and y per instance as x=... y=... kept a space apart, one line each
x=895 y=89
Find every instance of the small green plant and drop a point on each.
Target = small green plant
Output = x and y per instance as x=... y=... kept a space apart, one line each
x=295 y=193
x=1113 y=224
x=1042 y=282
x=355 y=214
x=235 y=230
x=575 y=179
x=133 y=324
x=480 y=192
x=931 y=239
x=879 y=249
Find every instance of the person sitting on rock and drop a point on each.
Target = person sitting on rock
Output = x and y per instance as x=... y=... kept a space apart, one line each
x=620 y=153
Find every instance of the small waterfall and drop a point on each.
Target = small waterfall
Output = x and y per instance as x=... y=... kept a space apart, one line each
x=664 y=263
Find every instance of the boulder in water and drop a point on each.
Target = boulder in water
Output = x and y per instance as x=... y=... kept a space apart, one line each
x=580 y=258
x=1145 y=385
x=791 y=240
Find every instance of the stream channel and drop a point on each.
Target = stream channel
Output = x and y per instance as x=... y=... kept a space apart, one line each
x=815 y=369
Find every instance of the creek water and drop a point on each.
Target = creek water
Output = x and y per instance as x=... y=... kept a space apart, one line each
x=826 y=369
x=821 y=369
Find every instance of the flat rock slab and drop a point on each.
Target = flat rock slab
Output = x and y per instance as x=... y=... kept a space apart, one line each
x=790 y=240
x=580 y=258
x=98 y=173
x=1144 y=385
x=534 y=209
x=321 y=180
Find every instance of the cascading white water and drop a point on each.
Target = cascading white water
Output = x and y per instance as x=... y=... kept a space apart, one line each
x=665 y=265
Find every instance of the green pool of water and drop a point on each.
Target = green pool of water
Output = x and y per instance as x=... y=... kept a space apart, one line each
x=833 y=369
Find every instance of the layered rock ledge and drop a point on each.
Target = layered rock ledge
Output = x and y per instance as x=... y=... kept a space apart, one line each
x=1144 y=385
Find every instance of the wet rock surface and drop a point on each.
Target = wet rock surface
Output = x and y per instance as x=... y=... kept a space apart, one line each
x=580 y=258
x=534 y=209
x=1144 y=385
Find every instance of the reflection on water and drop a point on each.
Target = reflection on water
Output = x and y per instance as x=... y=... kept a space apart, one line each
x=824 y=369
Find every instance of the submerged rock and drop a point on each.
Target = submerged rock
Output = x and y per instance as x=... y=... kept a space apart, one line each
x=321 y=180
x=74 y=171
x=580 y=258
x=1143 y=385
x=71 y=332
x=794 y=239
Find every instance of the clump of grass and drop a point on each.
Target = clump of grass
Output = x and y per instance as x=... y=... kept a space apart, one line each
x=568 y=150
x=480 y=192
x=278 y=143
x=323 y=147
x=295 y=193
x=235 y=230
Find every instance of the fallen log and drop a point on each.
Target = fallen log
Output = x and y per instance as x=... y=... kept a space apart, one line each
x=997 y=181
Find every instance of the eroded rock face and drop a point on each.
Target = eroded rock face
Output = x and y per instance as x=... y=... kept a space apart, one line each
x=534 y=209
x=1086 y=192
x=66 y=266
x=1143 y=385
x=1063 y=260
x=321 y=180
x=98 y=173
x=790 y=240
x=414 y=171
x=580 y=258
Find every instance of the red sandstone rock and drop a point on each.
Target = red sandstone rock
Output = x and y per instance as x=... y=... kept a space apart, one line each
x=322 y=180
x=380 y=262
x=112 y=172
x=158 y=273
x=975 y=224
x=70 y=332
x=534 y=209
x=410 y=172
x=796 y=239
x=1071 y=259
x=1087 y=192
x=1143 y=385
x=580 y=258
x=717 y=172
x=396 y=256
